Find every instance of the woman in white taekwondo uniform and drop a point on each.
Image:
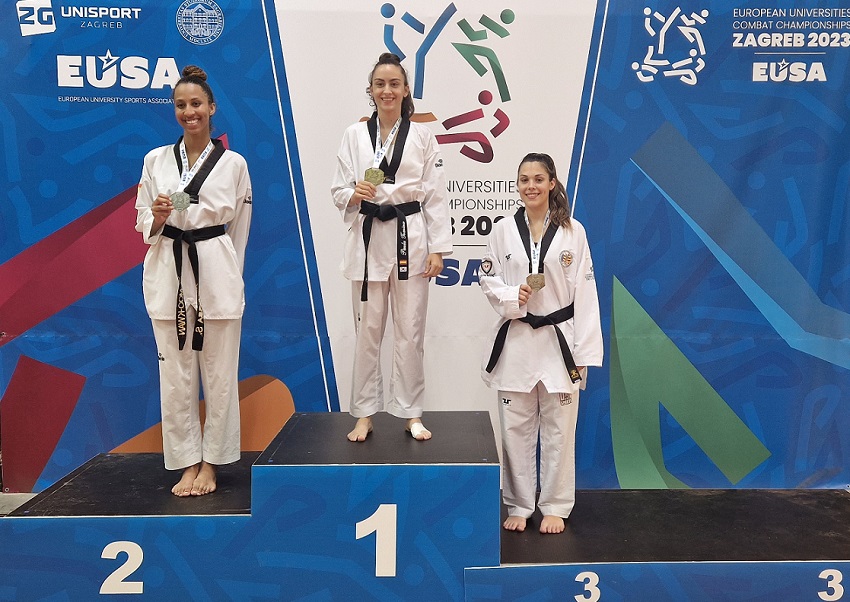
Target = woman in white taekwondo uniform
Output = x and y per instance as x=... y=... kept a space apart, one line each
x=390 y=188
x=194 y=210
x=538 y=275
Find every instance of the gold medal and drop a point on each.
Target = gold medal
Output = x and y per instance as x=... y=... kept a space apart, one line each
x=374 y=175
x=536 y=281
x=181 y=200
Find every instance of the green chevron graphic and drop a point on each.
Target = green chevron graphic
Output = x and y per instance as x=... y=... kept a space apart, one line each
x=647 y=369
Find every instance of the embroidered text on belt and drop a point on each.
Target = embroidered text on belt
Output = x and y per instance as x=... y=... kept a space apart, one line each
x=556 y=317
x=190 y=237
x=386 y=213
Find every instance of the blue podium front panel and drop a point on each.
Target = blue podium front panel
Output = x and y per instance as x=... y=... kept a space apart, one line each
x=388 y=518
x=379 y=532
x=662 y=582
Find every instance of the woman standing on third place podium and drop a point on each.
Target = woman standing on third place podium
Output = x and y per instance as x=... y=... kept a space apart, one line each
x=538 y=275
x=390 y=188
x=194 y=210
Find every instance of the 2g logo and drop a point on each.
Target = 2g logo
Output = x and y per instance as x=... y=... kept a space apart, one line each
x=35 y=17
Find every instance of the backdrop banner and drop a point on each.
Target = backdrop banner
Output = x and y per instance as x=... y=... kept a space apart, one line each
x=702 y=145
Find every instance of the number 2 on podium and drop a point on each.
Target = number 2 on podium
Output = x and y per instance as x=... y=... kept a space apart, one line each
x=384 y=524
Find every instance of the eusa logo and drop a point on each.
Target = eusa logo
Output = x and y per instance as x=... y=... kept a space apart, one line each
x=108 y=71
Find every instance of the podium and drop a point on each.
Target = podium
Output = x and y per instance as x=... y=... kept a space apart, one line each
x=316 y=517
x=313 y=517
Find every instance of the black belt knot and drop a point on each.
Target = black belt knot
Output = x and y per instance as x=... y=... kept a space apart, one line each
x=385 y=213
x=535 y=321
x=190 y=237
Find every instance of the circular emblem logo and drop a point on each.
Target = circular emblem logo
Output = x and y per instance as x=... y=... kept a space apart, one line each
x=200 y=21
x=566 y=258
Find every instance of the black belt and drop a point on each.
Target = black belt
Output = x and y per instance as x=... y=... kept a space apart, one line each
x=385 y=213
x=190 y=237
x=556 y=317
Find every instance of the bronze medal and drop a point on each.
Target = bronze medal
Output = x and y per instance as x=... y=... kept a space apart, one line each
x=374 y=176
x=536 y=281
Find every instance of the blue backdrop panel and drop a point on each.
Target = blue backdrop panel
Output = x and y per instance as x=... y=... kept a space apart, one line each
x=85 y=94
x=711 y=172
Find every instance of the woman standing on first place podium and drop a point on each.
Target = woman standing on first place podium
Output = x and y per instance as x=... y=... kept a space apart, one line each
x=390 y=188
x=194 y=210
x=538 y=275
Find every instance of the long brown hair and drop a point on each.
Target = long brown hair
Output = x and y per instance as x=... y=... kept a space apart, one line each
x=559 y=204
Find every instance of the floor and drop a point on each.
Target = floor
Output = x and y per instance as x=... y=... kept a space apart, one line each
x=11 y=501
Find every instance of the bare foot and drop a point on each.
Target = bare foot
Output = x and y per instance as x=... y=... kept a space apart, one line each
x=418 y=430
x=514 y=523
x=183 y=488
x=204 y=483
x=552 y=524
x=361 y=429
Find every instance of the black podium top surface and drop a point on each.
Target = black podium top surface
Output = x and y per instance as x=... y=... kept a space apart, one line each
x=319 y=438
x=139 y=485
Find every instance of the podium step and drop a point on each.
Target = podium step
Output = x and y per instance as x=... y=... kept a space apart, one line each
x=139 y=485
x=319 y=438
x=694 y=525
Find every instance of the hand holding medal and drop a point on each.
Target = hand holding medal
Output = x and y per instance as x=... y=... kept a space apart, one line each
x=162 y=206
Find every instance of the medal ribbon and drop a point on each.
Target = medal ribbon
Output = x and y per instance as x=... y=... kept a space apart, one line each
x=536 y=255
x=187 y=174
x=381 y=149
x=389 y=168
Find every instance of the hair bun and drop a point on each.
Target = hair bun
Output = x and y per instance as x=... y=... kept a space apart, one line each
x=194 y=71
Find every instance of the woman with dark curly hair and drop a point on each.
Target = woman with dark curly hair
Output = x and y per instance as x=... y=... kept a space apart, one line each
x=194 y=211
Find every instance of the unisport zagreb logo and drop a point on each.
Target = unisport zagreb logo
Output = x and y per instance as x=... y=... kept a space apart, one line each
x=473 y=129
x=664 y=56
x=200 y=21
x=35 y=17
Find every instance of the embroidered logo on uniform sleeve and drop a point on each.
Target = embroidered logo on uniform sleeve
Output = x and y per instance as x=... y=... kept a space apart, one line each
x=486 y=268
x=566 y=258
x=439 y=163
x=248 y=200
x=590 y=275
